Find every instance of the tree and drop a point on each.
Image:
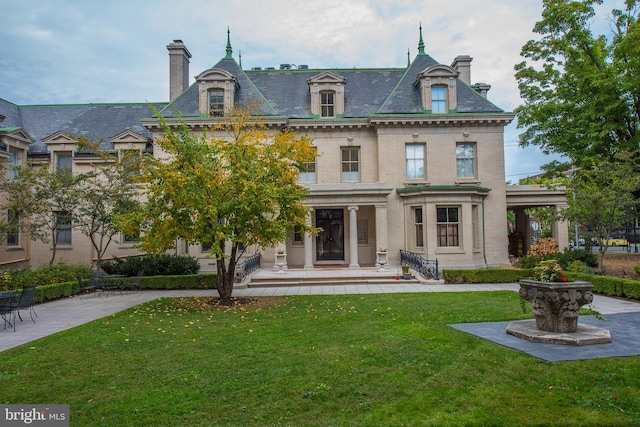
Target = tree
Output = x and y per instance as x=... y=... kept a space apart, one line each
x=602 y=197
x=110 y=192
x=581 y=92
x=231 y=186
x=43 y=201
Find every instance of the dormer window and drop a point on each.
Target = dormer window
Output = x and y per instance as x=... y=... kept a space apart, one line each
x=216 y=92
x=216 y=102
x=327 y=95
x=64 y=162
x=327 y=103
x=438 y=99
x=438 y=89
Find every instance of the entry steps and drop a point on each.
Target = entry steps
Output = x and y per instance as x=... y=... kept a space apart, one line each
x=264 y=278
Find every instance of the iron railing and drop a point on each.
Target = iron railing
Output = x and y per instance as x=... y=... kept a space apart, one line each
x=249 y=265
x=425 y=267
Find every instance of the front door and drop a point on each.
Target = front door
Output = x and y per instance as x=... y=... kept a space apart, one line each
x=330 y=239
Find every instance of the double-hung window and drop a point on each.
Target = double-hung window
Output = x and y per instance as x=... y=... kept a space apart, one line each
x=13 y=234
x=216 y=102
x=466 y=160
x=327 y=104
x=350 y=164
x=438 y=99
x=63 y=224
x=418 y=223
x=64 y=162
x=14 y=162
x=415 y=161
x=308 y=173
x=448 y=226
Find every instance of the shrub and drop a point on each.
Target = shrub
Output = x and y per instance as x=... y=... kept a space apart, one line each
x=564 y=258
x=528 y=261
x=152 y=265
x=544 y=247
x=576 y=267
x=490 y=275
x=569 y=255
x=16 y=278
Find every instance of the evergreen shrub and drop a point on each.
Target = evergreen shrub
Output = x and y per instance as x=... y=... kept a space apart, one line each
x=152 y=265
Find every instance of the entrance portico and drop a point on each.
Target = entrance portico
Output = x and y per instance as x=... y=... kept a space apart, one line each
x=352 y=223
x=522 y=197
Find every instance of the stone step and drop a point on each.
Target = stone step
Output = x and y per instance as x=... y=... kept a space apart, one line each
x=285 y=279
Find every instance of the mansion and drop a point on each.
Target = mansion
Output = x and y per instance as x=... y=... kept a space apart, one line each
x=409 y=158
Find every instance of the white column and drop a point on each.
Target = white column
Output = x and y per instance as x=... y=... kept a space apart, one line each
x=353 y=237
x=308 y=245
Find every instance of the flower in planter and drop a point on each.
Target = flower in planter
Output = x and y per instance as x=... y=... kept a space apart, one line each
x=382 y=250
x=548 y=271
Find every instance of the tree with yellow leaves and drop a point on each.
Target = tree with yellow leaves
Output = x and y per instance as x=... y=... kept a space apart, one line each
x=232 y=186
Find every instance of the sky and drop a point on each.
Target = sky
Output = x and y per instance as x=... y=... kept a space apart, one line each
x=90 y=51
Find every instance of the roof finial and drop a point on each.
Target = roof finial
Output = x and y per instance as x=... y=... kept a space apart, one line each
x=240 y=58
x=408 y=58
x=229 y=50
x=421 y=43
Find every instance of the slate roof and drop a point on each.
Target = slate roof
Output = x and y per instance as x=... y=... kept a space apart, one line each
x=95 y=121
x=368 y=92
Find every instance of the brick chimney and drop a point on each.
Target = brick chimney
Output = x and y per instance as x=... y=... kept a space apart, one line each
x=462 y=64
x=178 y=68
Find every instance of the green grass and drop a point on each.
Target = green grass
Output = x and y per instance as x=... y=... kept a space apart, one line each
x=343 y=360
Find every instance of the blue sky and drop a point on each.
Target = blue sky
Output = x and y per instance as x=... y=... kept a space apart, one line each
x=81 y=51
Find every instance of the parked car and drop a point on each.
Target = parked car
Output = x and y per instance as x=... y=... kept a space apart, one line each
x=615 y=242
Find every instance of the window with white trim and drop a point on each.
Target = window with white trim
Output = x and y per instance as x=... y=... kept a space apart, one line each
x=418 y=224
x=415 y=161
x=439 y=99
x=350 y=164
x=216 y=102
x=63 y=226
x=448 y=225
x=64 y=162
x=15 y=157
x=308 y=173
x=466 y=159
x=13 y=234
x=327 y=103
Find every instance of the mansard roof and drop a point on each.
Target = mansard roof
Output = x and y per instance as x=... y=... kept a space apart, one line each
x=368 y=91
x=95 y=121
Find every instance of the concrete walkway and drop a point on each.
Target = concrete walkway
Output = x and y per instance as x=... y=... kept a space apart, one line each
x=59 y=315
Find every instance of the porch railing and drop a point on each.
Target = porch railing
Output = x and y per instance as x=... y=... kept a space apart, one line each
x=425 y=267
x=249 y=265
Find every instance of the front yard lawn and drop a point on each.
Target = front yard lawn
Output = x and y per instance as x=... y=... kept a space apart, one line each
x=341 y=360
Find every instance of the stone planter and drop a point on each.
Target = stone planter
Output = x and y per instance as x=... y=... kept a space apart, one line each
x=281 y=262
x=556 y=305
x=382 y=259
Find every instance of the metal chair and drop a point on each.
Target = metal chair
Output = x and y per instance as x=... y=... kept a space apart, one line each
x=132 y=284
x=85 y=287
x=25 y=302
x=7 y=310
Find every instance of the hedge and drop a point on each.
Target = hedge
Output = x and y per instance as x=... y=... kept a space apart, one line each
x=609 y=285
x=194 y=281
x=491 y=275
x=604 y=285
